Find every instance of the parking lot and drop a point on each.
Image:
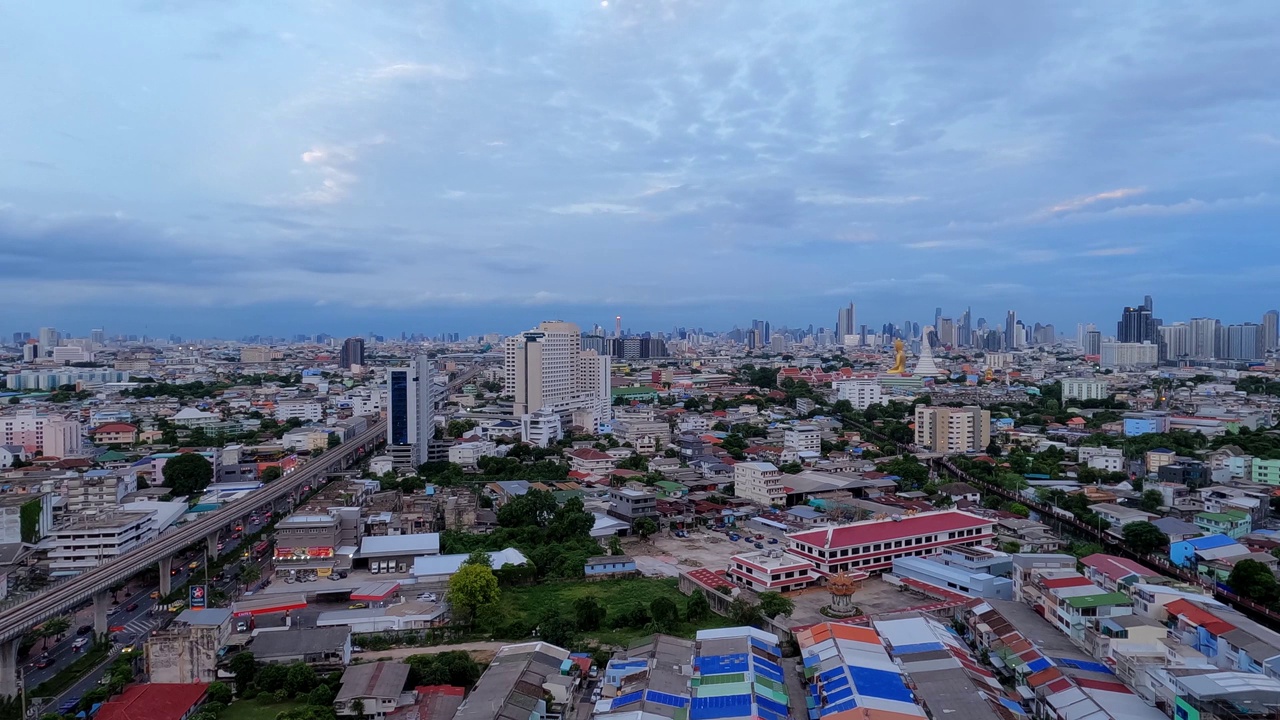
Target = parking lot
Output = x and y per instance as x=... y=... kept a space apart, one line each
x=664 y=555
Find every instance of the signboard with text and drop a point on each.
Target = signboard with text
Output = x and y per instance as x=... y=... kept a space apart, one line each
x=197 y=598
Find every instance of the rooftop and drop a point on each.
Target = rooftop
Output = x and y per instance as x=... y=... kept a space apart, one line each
x=286 y=643
x=869 y=531
x=373 y=680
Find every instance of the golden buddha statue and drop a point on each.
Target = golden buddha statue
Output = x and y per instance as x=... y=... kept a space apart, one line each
x=899 y=358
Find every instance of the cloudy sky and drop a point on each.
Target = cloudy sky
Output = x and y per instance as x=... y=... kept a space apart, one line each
x=208 y=167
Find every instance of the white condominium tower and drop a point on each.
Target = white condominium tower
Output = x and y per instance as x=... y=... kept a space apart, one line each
x=546 y=368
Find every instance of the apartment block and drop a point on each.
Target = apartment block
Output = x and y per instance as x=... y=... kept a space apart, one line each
x=1084 y=389
x=759 y=482
x=861 y=392
x=953 y=430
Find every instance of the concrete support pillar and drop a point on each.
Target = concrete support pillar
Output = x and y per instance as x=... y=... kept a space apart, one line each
x=101 y=608
x=9 y=668
x=212 y=544
x=166 y=567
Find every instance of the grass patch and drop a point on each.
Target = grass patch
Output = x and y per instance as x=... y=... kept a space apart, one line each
x=524 y=606
x=253 y=710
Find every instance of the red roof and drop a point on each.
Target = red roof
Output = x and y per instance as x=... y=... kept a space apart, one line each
x=1105 y=685
x=579 y=475
x=1196 y=616
x=1114 y=568
x=116 y=427
x=1066 y=582
x=589 y=454
x=870 y=531
x=154 y=701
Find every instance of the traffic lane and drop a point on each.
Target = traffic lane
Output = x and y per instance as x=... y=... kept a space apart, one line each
x=64 y=653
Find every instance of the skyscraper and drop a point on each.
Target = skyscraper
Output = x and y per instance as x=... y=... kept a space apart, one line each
x=546 y=368
x=1092 y=342
x=1136 y=324
x=846 y=322
x=1270 y=330
x=1244 y=341
x=98 y=336
x=352 y=352
x=964 y=329
x=1204 y=334
x=48 y=341
x=1011 y=340
x=412 y=396
x=1175 y=341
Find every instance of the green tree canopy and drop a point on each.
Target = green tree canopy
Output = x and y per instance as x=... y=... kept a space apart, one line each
x=588 y=613
x=1144 y=538
x=665 y=613
x=1253 y=580
x=473 y=587
x=645 y=527
x=744 y=612
x=188 y=474
x=773 y=604
x=697 y=607
x=271 y=474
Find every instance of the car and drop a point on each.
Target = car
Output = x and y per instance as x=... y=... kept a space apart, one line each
x=759 y=546
x=773 y=541
x=595 y=670
x=734 y=537
x=759 y=536
x=84 y=630
x=44 y=662
x=357 y=606
x=155 y=595
x=193 y=564
x=239 y=527
x=79 y=643
x=242 y=626
x=356 y=648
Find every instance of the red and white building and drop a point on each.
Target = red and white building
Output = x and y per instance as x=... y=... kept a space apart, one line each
x=774 y=570
x=590 y=460
x=872 y=545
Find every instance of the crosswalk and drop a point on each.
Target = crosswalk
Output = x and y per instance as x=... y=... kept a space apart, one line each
x=139 y=627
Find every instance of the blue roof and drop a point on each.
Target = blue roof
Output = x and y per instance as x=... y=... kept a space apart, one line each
x=1084 y=665
x=880 y=684
x=1209 y=542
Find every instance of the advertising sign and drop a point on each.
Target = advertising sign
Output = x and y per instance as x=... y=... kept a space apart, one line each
x=197 y=597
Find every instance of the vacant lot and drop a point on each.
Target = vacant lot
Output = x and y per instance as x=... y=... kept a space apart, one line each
x=528 y=605
x=665 y=555
x=251 y=710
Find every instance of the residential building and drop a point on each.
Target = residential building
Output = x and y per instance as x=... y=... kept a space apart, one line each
x=1072 y=603
x=190 y=417
x=87 y=541
x=1112 y=573
x=1141 y=423
x=1155 y=459
x=772 y=570
x=468 y=451
x=952 y=430
x=873 y=545
x=1119 y=515
x=1101 y=458
x=1084 y=389
x=851 y=673
x=609 y=566
x=41 y=433
x=522 y=682
x=974 y=584
x=154 y=701
x=1028 y=568
x=260 y=355
x=803 y=438
x=1234 y=524
x=546 y=368
x=412 y=397
x=352 y=353
x=1266 y=471
x=98 y=490
x=321 y=647
x=861 y=391
x=304 y=410
x=371 y=690
x=117 y=433
x=590 y=460
x=630 y=504
x=759 y=482
x=1123 y=355
x=540 y=428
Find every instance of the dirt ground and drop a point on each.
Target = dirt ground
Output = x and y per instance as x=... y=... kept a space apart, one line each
x=664 y=555
x=874 y=598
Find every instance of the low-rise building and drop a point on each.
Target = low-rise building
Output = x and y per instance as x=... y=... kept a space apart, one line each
x=317 y=646
x=1232 y=523
x=522 y=681
x=609 y=566
x=873 y=545
x=803 y=438
x=372 y=690
x=87 y=541
x=772 y=570
x=759 y=482
x=116 y=433
x=187 y=650
x=631 y=504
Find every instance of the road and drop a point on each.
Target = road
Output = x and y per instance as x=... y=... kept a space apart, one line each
x=129 y=626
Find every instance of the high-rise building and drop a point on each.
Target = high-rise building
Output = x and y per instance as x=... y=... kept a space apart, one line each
x=1204 y=338
x=1129 y=355
x=846 y=322
x=98 y=336
x=946 y=331
x=48 y=341
x=953 y=430
x=964 y=329
x=1092 y=342
x=1244 y=341
x=1175 y=341
x=412 y=396
x=352 y=352
x=595 y=341
x=1271 y=330
x=1011 y=339
x=1136 y=325
x=546 y=368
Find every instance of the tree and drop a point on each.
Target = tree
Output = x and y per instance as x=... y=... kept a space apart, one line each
x=219 y=692
x=665 y=613
x=479 y=557
x=557 y=630
x=1253 y=580
x=744 y=612
x=250 y=574
x=52 y=628
x=1151 y=500
x=473 y=587
x=615 y=545
x=588 y=613
x=773 y=604
x=1019 y=509
x=645 y=527
x=301 y=679
x=188 y=474
x=1144 y=538
x=244 y=667
x=697 y=607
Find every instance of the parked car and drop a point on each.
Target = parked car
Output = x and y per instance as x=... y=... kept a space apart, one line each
x=759 y=546
x=773 y=541
x=734 y=537
x=84 y=630
x=357 y=606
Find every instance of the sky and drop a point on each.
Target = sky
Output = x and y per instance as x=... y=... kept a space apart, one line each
x=225 y=168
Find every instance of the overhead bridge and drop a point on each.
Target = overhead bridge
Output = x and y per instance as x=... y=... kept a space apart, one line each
x=95 y=584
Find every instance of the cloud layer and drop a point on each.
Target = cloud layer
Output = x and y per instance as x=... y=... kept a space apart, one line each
x=434 y=166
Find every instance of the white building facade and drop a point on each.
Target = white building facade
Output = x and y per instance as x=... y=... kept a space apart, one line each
x=759 y=482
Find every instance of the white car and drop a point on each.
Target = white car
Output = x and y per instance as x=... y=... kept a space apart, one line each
x=427 y=597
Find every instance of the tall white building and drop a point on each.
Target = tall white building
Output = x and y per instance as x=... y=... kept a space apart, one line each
x=546 y=368
x=802 y=438
x=1204 y=337
x=1271 y=330
x=846 y=322
x=1084 y=389
x=759 y=482
x=1129 y=355
x=1176 y=339
x=412 y=397
x=861 y=392
x=48 y=341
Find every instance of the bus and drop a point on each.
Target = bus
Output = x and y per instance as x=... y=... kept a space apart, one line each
x=261 y=549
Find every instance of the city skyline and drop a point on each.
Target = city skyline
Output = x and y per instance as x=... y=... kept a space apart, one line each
x=241 y=168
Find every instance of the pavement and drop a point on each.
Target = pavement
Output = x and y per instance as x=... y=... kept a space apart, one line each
x=481 y=651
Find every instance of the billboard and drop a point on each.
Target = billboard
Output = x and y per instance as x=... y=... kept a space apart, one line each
x=197 y=597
